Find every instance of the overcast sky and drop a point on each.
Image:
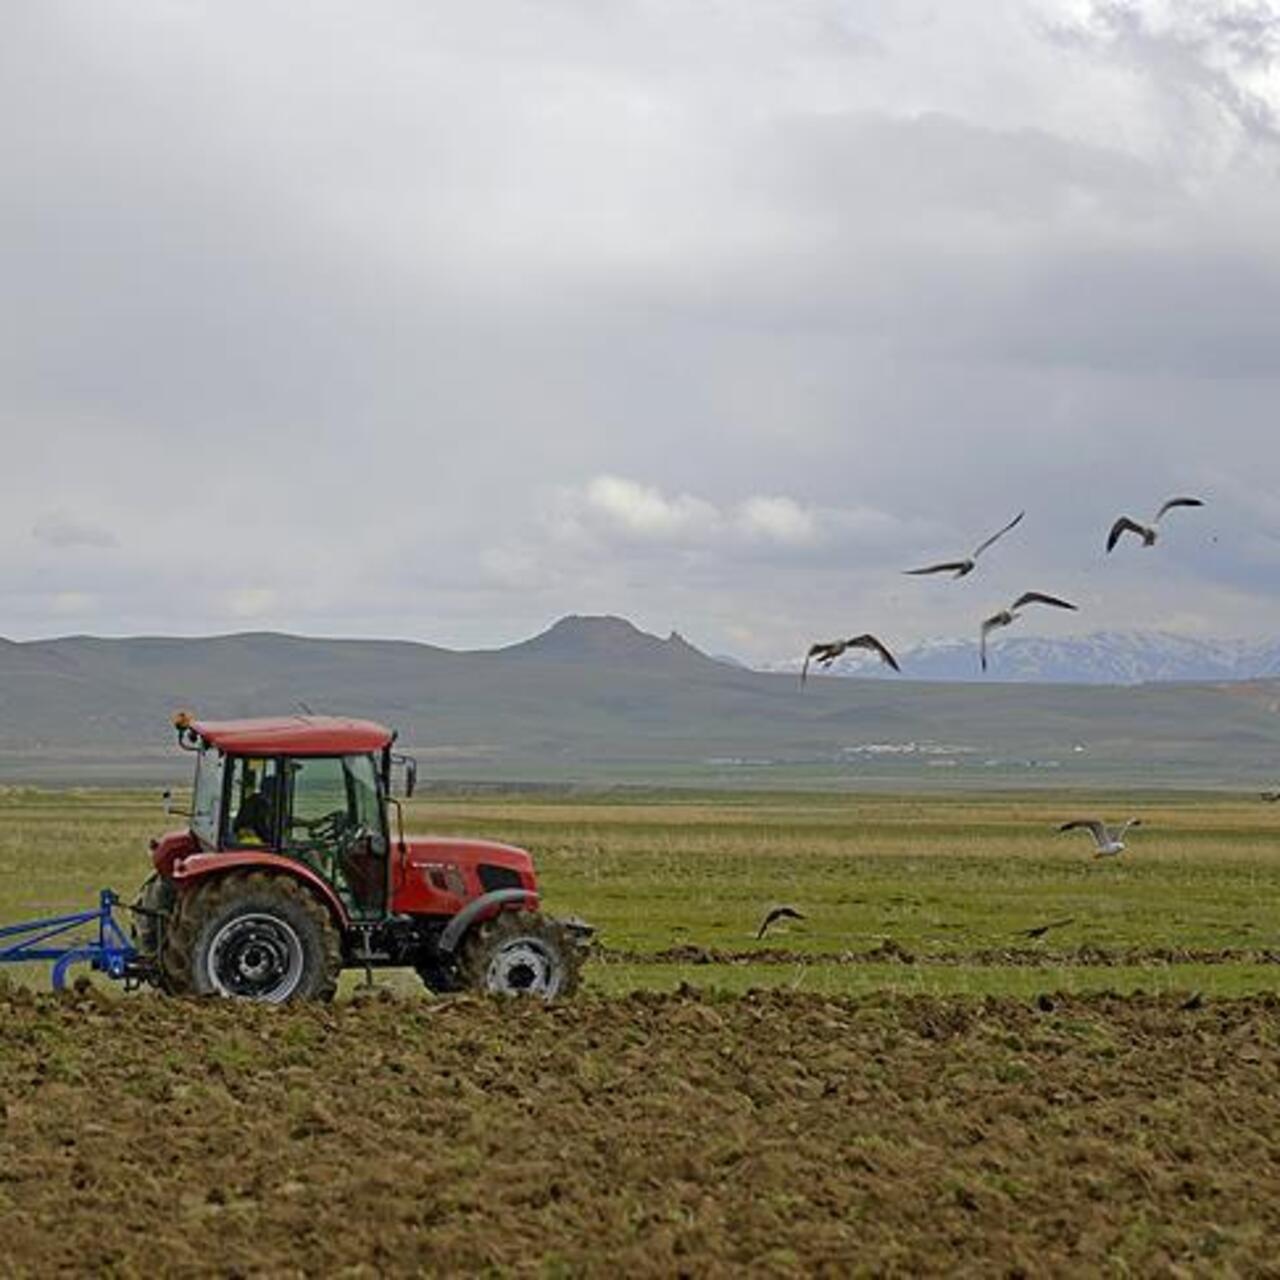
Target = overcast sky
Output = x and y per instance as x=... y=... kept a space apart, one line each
x=440 y=320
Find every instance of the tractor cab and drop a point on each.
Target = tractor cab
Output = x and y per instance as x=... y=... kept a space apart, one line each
x=304 y=789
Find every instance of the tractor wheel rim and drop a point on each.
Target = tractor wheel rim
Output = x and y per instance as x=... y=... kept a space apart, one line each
x=256 y=957
x=524 y=966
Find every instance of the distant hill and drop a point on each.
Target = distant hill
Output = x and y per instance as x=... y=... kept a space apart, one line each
x=1106 y=657
x=596 y=699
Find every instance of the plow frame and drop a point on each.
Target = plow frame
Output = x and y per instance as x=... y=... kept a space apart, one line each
x=110 y=952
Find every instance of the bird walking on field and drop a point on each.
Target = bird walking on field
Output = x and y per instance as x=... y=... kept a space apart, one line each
x=777 y=913
x=825 y=652
x=1109 y=841
x=959 y=568
x=1147 y=532
x=1010 y=615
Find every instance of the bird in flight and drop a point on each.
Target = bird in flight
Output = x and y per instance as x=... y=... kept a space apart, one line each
x=1038 y=931
x=778 y=913
x=1270 y=796
x=1147 y=532
x=1007 y=616
x=825 y=652
x=1109 y=840
x=959 y=568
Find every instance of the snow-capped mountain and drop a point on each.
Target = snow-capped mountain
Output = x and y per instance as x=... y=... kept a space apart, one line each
x=1105 y=657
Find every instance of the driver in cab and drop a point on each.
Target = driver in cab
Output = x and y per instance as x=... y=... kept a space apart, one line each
x=255 y=817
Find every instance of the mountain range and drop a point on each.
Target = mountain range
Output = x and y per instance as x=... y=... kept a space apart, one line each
x=1105 y=657
x=595 y=699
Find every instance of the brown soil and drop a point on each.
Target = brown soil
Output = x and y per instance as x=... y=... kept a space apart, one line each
x=775 y=1134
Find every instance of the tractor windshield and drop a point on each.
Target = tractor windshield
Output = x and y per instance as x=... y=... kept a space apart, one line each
x=206 y=802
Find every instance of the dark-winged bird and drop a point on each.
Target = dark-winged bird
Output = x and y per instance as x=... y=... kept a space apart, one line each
x=1038 y=931
x=959 y=568
x=825 y=652
x=1147 y=532
x=777 y=913
x=1010 y=615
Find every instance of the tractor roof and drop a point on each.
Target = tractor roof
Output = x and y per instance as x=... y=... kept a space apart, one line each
x=294 y=736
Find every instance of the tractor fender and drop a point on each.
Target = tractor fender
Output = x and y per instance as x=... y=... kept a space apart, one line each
x=200 y=866
x=487 y=904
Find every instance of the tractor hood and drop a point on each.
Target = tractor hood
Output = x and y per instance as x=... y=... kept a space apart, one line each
x=438 y=875
x=461 y=852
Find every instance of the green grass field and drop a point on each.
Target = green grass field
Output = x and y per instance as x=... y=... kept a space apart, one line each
x=1193 y=905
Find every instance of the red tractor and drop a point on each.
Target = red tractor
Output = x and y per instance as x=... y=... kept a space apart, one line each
x=290 y=872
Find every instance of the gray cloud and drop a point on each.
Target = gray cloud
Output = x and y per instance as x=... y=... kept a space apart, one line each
x=345 y=326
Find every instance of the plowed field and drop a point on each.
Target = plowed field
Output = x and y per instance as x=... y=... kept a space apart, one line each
x=780 y=1133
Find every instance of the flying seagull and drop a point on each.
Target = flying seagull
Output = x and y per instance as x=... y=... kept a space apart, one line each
x=826 y=652
x=1270 y=796
x=778 y=913
x=1147 y=532
x=1038 y=931
x=1007 y=616
x=959 y=568
x=1109 y=840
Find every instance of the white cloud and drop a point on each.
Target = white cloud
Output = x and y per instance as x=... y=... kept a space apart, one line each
x=778 y=519
x=645 y=512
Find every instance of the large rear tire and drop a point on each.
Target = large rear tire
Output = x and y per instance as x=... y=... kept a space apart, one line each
x=253 y=936
x=520 y=953
x=151 y=911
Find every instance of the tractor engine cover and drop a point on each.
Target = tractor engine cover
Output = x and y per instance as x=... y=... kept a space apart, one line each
x=439 y=875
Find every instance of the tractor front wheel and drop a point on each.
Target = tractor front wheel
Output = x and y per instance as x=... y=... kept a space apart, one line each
x=520 y=953
x=257 y=937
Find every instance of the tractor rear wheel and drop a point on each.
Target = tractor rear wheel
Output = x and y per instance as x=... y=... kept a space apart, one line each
x=520 y=953
x=151 y=910
x=257 y=937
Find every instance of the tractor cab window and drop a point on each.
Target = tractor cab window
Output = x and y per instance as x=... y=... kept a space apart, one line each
x=333 y=822
x=206 y=800
x=253 y=808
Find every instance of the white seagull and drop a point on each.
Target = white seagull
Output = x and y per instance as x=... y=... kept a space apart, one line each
x=1147 y=532
x=1109 y=840
x=958 y=568
x=827 y=651
x=1007 y=616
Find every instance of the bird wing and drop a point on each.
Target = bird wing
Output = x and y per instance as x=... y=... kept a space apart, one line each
x=1179 y=502
x=1133 y=822
x=1000 y=619
x=1121 y=526
x=952 y=566
x=1100 y=833
x=870 y=642
x=1039 y=597
x=995 y=537
x=777 y=913
x=824 y=651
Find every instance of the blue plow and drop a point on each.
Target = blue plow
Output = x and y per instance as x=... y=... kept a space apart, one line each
x=86 y=937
